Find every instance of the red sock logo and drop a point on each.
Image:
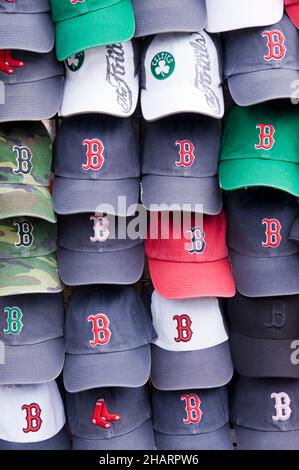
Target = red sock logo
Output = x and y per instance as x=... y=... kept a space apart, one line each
x=275 y=45
x=184 y=328
x=186 y=153
x=100 y=329
x=101 y=416
x=192 y=406
x=273 y=233
x=33 y=418
x=266 y=136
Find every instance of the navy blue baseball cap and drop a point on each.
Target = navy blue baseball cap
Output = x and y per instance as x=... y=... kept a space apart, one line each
x=96 y=160
x=191 y=419
x=265 y=413
x=108 y=333
x=111 y=419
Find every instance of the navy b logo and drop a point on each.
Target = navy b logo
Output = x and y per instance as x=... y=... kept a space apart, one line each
x=198 y=240
x=25 y=233
x=24 y=157
x=278 y=315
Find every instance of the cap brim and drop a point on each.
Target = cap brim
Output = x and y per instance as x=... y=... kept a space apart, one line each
x=37 y=363
x=29 y=276
x=254 y=276
x=58 y=442
x=215 y=440
x=109 y=25
x=158 y=104
x=18 y=200
x=120 y=369
x=265 y=85
x=83 y=196
x=170 y=191
x=119 y=267
x=237 y=174
x=172 y=280
x=34 y=101
x=249 y=439
x=207 y=368
x=293 y=13
x=28 y=32
x=175 y=16
x=142 y=438
x=253 y=357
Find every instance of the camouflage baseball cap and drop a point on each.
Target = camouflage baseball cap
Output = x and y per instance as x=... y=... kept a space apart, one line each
x=27 y=257
x=25 y=168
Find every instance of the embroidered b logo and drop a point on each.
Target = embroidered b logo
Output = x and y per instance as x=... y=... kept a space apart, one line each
x=33 y=418
x=23 y=157
x=14 y=320
x=266 y=137
x=198 y=240
x=25 y=233
x=282 y=406
x=100 y=228
x=100 y=329
x=192 y=407
x=186 y=153
x=273 y=233
x=184 y=328
x=275 y=45
x=94 y=153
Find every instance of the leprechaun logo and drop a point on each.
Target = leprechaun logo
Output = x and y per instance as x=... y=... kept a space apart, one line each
x=75 y=62
x=163 y=65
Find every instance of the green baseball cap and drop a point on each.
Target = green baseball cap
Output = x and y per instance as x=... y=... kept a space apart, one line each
x=27 y=257
x=25 y=169
x=260 y=147
x=81 y=24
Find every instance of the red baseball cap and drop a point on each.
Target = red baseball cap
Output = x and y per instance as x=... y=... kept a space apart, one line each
x=292 y=9
x=196 y=264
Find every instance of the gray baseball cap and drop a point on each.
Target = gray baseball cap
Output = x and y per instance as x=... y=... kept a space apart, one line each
x=265 y=260
x=154 y=16
x=96 y=161
x=33 y=92
x=180 y=163
x=261 y=64
x=264 y=335
x=191 y=419
x=26 y=25
x=127 y=423
x=108 y=333
x=97 y=250
x=31 y=330
x=265 y=413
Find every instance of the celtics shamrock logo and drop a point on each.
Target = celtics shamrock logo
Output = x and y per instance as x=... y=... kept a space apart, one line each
x=163 y=65
x=75 y=62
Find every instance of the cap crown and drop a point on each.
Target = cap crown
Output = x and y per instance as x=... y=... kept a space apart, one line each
x=132 y=404
x=184 y=146
x=190 y=412
x=66 y=9
x=22 y=403
x=251 y=49
x=260 y=222
x=104 y=320
x=25 y=6
x=96 y=147
x=266 y=405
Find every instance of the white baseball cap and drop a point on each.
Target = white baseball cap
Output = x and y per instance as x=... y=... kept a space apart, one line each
x=228 y=15
x=102 y=80
x=181 y=74
x=32 y=417
x=192 y=347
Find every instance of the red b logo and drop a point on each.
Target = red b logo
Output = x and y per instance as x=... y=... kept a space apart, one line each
x=100 y=329
x=33 y=418
x=275 y=44
x=186 y=153
x=192 y=406
x=184 y=328
x=273 y=233
x=266 y=136
x=94 y=153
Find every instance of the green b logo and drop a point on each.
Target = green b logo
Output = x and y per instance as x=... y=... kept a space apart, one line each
x=75 y=62
x=163 y=65
x=14 y=321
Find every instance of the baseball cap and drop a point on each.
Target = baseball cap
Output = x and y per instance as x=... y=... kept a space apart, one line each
x=154 y=16
x=265 y=260
x=25 y=169
x=32 y=418
x=172 y=76
x=97 y=249
x=188 y=172
x=103 y=80
x=261 y=64
x=229 y=15
x=27 y=257
x=33 y=92
x=262 y=329
x=108 y=331
x=292 y=9
x=96 y=162
x=26 y=25
x=193 y=260
x=191 y=419
x=265 y=414
x=192 y=348
x=260 y=147
x=111 y=419
x=107 y=22
x=33 y=339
